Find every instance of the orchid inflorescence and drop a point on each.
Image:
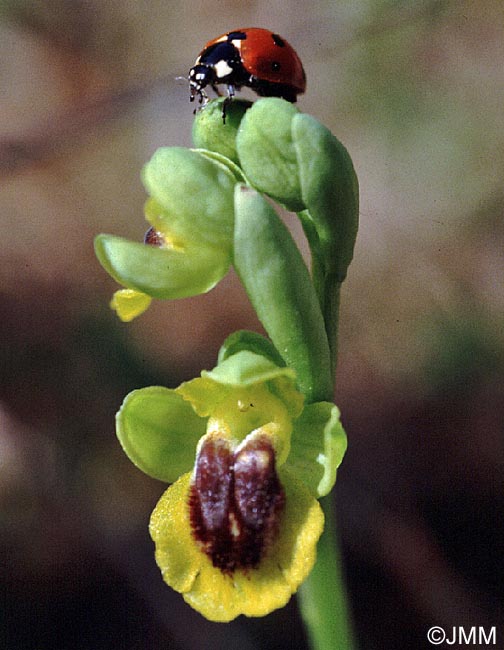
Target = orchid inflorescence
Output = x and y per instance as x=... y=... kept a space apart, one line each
x=250 y=446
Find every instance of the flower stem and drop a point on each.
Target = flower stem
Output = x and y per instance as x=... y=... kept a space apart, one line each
x=322 y=597
x=330 y=311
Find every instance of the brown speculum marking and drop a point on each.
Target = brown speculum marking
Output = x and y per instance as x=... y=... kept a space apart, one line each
x=235 y=502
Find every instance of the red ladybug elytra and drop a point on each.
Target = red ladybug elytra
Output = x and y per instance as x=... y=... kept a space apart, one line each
x=252 y=57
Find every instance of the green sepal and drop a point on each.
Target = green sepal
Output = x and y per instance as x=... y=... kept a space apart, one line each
x=252 y=341
x=329 y=190
x=194 y=194
x=318 y=445
x=210 y=132
x=162 y=272
x=278 y=284
x=159 y=432
x=267 y=152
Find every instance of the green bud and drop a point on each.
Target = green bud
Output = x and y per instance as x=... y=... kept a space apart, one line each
x=329 y=191
x=211 y=132
x=267 y=153
x=298 y=162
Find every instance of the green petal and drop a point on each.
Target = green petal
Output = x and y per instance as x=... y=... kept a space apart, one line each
x=246 y=368
x=318 y=445
x=159 y=432
x=203 y=394
x=195 y=194
x=267 y=153
x=162 y=272
x=280 y=289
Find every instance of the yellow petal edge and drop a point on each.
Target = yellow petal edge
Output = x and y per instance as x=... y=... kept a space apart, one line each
x=257 y=592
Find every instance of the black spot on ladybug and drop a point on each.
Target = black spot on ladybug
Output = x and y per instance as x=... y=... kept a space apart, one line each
x=235 y=502
x=278 y=40
x=236 y=36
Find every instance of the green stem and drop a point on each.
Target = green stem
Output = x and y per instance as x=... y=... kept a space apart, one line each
x=322 y=597
x=327 y=287
x=330 y=311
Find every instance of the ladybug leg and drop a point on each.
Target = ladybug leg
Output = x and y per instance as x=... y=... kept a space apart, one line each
x=202 y=98
x=216 y=90
x=227 y=101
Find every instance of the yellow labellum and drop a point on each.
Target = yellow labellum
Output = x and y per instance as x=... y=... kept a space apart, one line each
x=254 y=592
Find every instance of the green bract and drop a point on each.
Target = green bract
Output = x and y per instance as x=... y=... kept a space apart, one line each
x=279 y=286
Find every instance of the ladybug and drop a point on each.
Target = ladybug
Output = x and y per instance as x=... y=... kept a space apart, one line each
x=252 y=57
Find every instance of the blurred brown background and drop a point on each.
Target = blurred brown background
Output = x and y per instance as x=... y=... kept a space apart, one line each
x=87 y=93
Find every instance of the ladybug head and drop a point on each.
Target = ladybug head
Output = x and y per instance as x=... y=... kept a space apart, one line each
x=200 y=76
